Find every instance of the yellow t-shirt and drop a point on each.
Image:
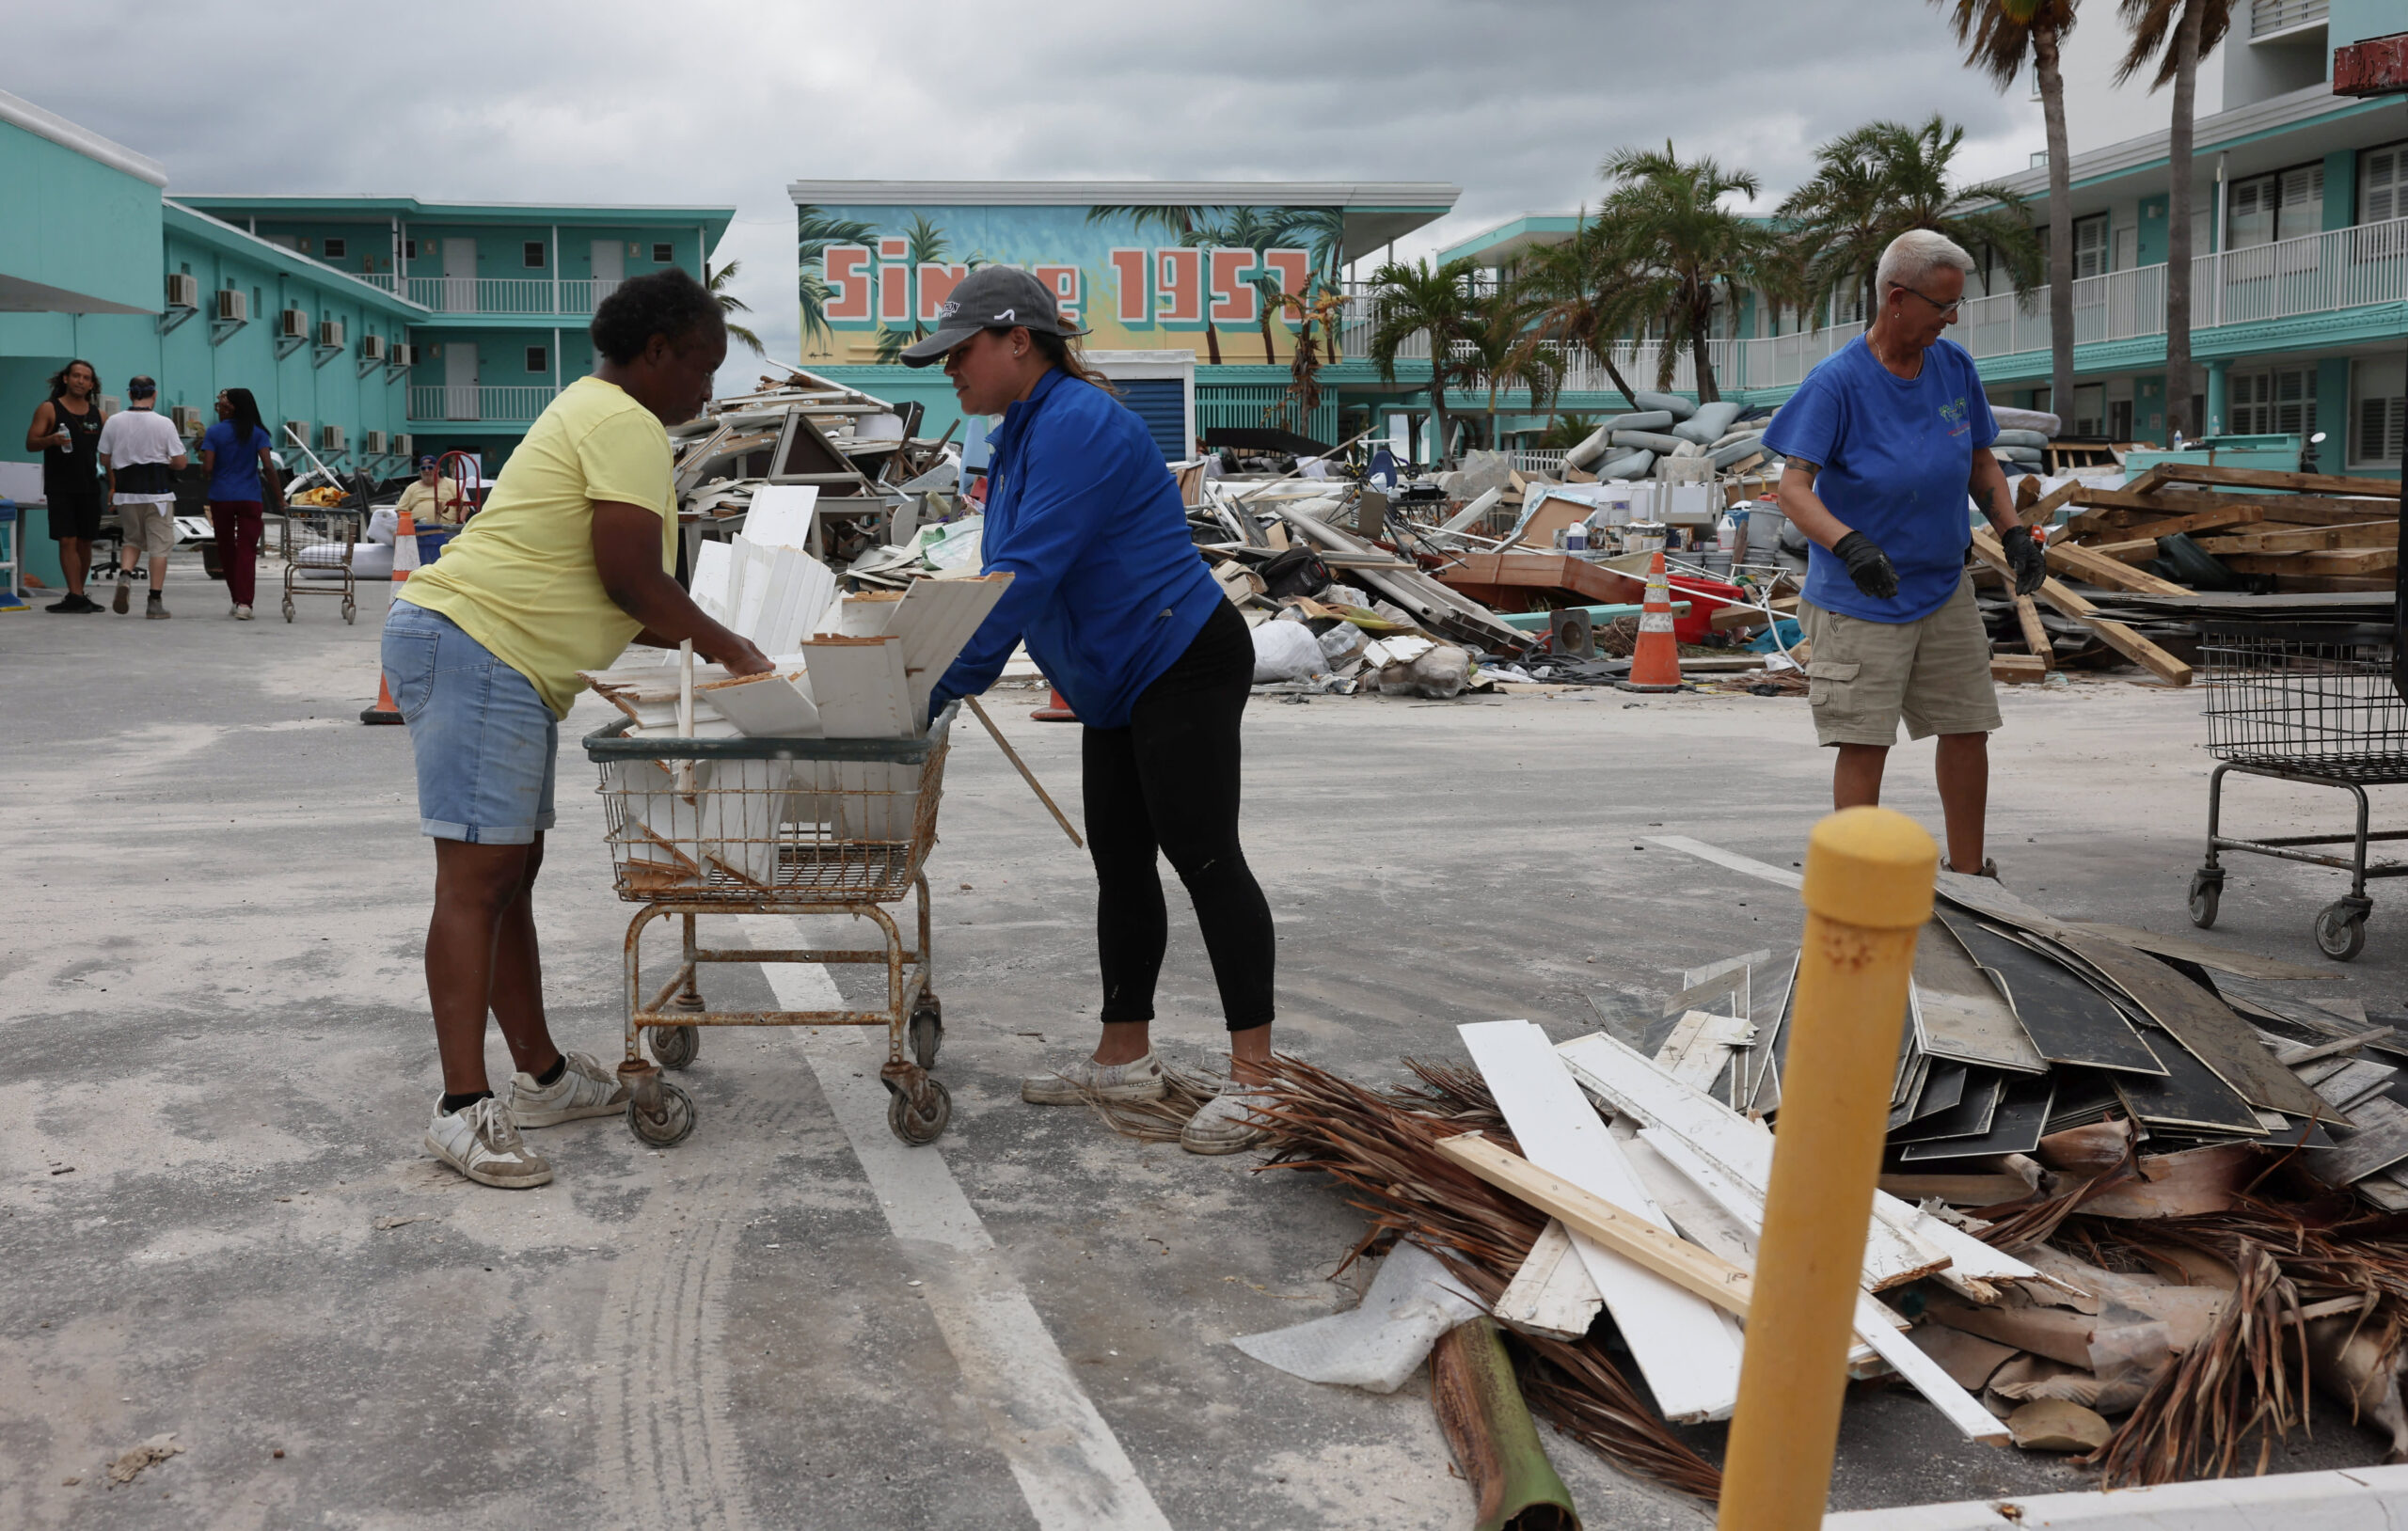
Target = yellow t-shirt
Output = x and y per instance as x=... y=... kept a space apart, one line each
x=520 y=579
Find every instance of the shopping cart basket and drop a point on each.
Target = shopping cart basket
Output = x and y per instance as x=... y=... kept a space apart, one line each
x=746 y=825
x=317 y=544
x=2312 y=702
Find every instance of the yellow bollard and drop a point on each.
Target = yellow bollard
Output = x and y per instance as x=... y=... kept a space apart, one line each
x=1867 y=893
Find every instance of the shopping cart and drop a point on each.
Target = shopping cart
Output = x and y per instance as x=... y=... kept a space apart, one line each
x=747 y=825
x=317 y=544
x=2311 y=702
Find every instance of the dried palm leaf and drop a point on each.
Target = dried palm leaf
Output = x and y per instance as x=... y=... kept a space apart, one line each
x=1184 y=1091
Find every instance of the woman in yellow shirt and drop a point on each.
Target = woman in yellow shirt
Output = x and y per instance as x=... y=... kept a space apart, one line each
x=566 y=564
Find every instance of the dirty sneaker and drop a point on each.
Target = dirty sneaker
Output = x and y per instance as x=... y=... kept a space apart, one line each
x=242 y=613
x=157 y=610
x=1079 y=1079
x=124 y=595
x=482 y=1142
x=585 y=1088
x=1226 y=1122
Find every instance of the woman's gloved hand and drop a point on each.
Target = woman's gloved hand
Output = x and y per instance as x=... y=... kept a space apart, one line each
x=1867 y=565
x=2024 y=555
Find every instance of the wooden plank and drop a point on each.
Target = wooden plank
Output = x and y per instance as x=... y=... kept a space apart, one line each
x=1552 y=1292
x=2193 y=523
x=2080 y=563
x=1689 y=1351
x=2017 y=668
x=2380 y=1142
x=1742 y=1148
x=2307 y=539
x=2117 y=637
x=2366 y=562
x=1641 y=1243
x=1699 y=1047
x=2036 y=637
x=2039 y=512
x=2139 y=551
x=2205 y=1024
x=2259 y=478
x=2068 y=1021
x=2014 y=1128
x=1960 y=1012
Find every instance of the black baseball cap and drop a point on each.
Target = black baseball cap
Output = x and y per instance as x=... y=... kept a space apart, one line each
x=141 y=387
x=992 y=297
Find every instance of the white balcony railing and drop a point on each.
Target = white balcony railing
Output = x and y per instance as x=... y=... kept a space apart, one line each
x=2338 y=269
x=449 y=402
x=515 y=295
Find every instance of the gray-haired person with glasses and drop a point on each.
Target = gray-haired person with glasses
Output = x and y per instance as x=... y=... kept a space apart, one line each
x=1885 y=439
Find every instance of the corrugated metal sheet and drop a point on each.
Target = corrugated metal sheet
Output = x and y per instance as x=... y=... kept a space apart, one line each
x=1161 y=403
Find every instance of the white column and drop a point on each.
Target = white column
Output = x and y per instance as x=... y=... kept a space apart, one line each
x=556 y=292
x=555 y=329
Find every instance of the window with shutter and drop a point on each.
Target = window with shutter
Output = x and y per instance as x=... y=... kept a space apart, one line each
x=2090 y=246
x=2379 y=423
x=2382 y=183
x=2280 y=401
x=2302 y=202
x=2249 y=212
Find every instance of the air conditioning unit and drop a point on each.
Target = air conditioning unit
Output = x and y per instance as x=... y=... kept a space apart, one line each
x=330 y=333
x=292 y=325
x=403 y=444
x=333 y=438
x=183 y=289
x=372 y=348
x=187 y=419
x=233 y=308
x=294 y=431
x=404 y=355
x=375 y=443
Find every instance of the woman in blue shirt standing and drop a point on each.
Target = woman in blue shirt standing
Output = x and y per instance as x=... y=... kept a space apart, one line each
x=240 y=458
x=1116 y=606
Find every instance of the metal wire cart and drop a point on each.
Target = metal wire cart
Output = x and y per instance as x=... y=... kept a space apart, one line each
x=2312 y=702
x=762 y=826
x=317 y=544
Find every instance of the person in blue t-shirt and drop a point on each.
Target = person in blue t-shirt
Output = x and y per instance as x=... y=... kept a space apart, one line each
x=1118 y=608
x=1884 y=441
x=240 y=458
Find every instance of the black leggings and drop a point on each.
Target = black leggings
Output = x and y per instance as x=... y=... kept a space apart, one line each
x=1168 y=782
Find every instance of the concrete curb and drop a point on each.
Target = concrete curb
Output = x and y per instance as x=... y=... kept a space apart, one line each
x=2354 y=1499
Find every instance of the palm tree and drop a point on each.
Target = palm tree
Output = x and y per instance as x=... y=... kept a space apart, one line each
x=1579 y=294
x=1996 y=35
x=1182 y=224
x=1440 y=302
x=1687 y=247
x=1304 y=362
x=1508 y=352
x=814 y=231
x=2176 y=33
x=1885 y=179
x=927 y=246
x=729 y=302
x=1245 y=227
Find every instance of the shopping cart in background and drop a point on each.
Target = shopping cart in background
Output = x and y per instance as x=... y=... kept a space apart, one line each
x=2311 y=702
x=769 y=826
x=318 y=543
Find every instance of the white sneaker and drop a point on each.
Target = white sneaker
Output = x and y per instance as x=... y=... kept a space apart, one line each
x=1080 y=1078
x=1226 y=1122
x=585 y=1088
x=242 y=613
x=482 y=1142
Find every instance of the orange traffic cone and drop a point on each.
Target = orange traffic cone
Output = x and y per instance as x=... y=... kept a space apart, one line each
x=1056 y=711
x=1656 y=663
x=405 y=560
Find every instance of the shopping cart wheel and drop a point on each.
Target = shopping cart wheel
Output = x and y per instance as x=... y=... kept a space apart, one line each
x=928 y=1033
x=674 y=1046
x=922 y=1121
x=675 y=1121
x=288 y=608
x=2207 y=889
x=2341 y=930
x=350 y=611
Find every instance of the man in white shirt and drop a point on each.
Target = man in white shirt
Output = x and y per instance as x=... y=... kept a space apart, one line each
x=142 y=450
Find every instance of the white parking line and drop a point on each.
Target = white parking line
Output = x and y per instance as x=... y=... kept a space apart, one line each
x=1069 y=1466
x=1730 y=859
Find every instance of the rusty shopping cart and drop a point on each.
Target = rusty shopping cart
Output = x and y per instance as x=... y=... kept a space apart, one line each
x=2311 y=702
x=759 y=825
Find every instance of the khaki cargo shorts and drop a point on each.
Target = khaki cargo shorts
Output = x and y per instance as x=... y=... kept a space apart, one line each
x=1864 y=676
x=148 y=528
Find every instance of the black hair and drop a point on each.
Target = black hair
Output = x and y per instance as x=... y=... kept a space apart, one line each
x=58 y=378
x=1063 y=352
x=669 y=303
x=245 y=418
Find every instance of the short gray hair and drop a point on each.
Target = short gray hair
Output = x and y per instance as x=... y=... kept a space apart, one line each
x=1915 y=252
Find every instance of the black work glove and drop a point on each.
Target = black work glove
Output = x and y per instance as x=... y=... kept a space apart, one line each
x=2024 y=557
x=1867 y=565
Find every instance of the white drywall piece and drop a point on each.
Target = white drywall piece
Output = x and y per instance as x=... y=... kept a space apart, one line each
x=1688 y=1348
x=780 y=514
x=714 y=578
x=859 y=687
x=765 y=707
x=936 y=619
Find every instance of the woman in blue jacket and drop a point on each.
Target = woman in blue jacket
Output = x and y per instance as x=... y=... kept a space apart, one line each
x=1116 y=606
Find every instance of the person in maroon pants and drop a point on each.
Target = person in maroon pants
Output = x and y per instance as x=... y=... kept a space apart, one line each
x=239 y=456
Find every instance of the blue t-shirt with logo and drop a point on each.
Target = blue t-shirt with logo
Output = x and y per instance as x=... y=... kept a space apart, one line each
x=237 y=474
x=1896 y=456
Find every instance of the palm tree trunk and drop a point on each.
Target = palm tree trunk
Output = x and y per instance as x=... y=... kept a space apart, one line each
x=1443 y=435
x=1699 y=320
x=1605 y=354
x=1270 y=354
x=2177 y=233
x=1495 y=442
x=2052 y=108
x=1212 y=339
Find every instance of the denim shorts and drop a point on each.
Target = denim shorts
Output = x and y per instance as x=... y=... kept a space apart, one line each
x=486 y=744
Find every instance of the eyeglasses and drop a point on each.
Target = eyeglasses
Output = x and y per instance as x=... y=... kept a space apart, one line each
x=1948 y=308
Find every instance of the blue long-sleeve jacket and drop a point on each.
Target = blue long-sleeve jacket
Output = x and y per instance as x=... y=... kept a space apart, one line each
x=1107 y=590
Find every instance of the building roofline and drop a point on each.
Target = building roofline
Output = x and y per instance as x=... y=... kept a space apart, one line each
x=1367 y=195
x=415 y=207
x=83 y=140
x=2221 y=131
x=290 y=261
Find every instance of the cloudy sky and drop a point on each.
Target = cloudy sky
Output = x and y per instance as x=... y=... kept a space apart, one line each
x=721 y=104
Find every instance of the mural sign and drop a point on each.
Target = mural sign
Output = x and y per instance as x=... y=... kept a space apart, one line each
x=1214 y=280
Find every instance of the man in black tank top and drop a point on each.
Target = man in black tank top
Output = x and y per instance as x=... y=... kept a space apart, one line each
x=66 y=430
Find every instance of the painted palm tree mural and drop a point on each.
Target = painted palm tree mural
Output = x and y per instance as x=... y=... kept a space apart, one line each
x=814 y=231
x=1182 y=223
x=926 y=245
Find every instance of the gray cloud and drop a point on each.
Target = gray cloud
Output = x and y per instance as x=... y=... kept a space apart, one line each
x=716 y=102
